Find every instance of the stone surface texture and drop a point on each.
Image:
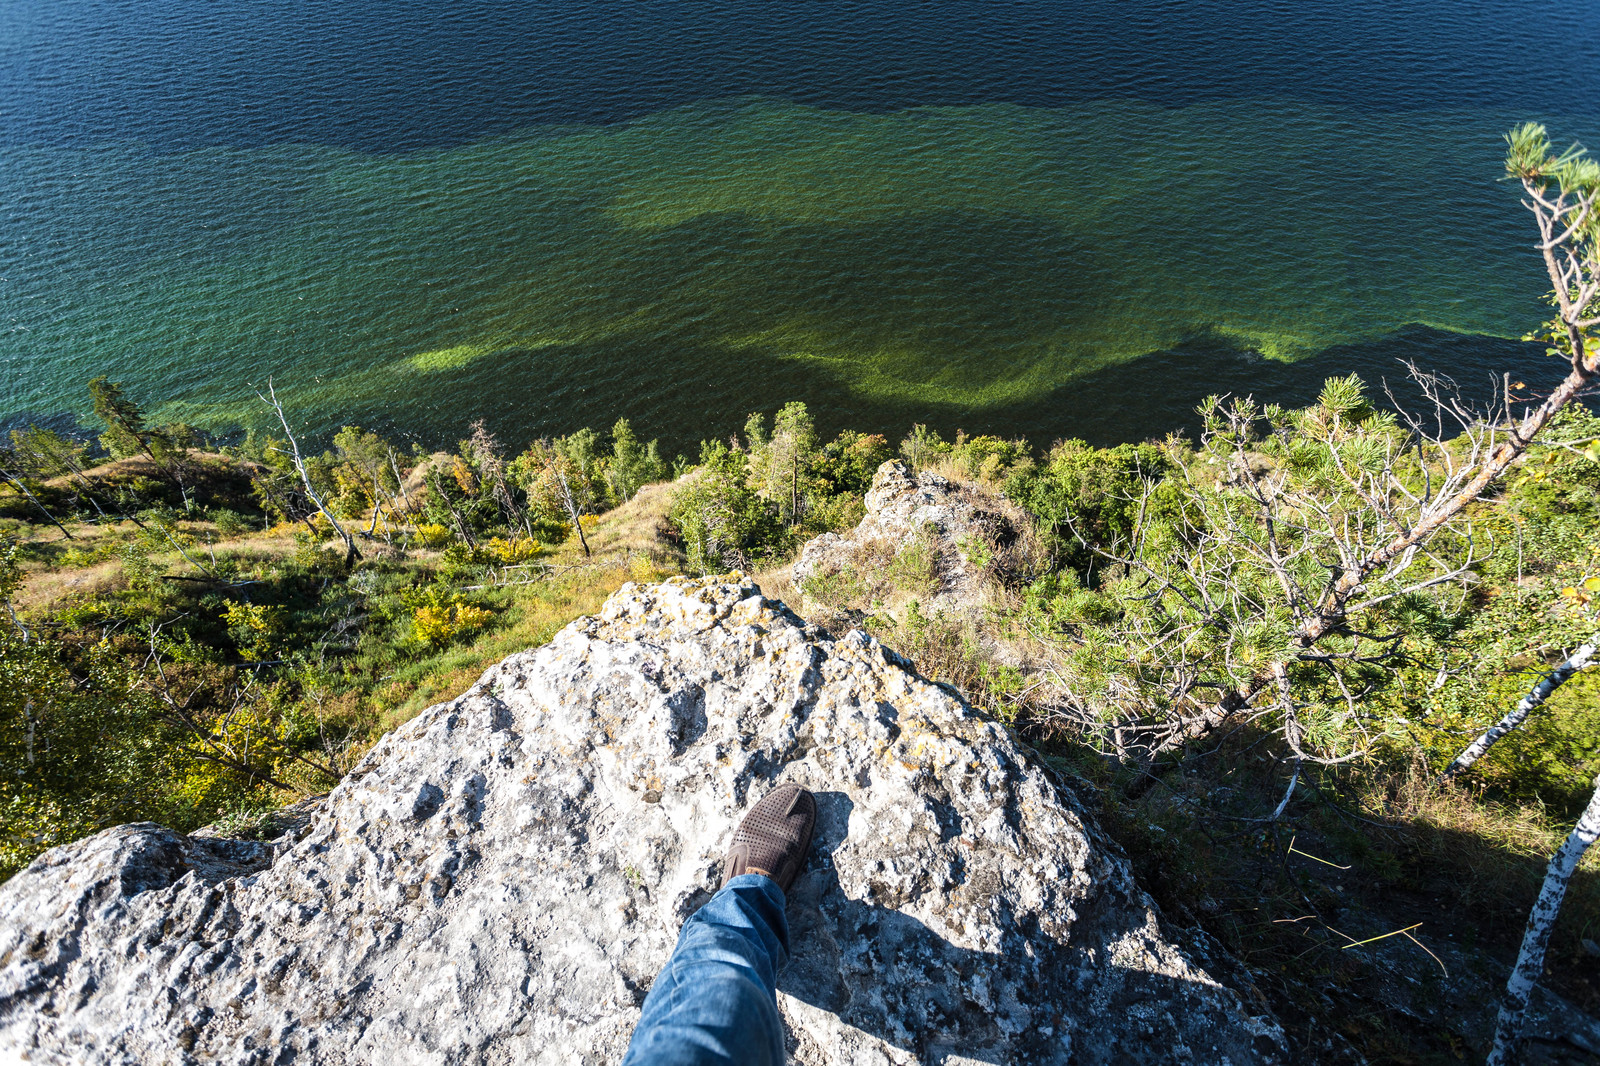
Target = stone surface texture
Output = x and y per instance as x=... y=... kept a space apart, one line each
x=501 y=878
x=954 y=519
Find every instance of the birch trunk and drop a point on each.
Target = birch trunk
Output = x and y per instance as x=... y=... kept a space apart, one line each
x=1541 y=921
x=1526 y=706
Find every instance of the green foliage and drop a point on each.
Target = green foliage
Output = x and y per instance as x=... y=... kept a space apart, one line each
x=633 y=463
x=1088 y=500
x=79 y=747
x=1563 y=187
x=10 y=572
x=723 y=522
x=125 y=433
x=127 y=430
x=923 y=447
x=846 y=464
x=913 y=569
x=44 y=453
x=991 y=459
x=143 y=573
x=229 y=523
x=255 y=628
x=780 y=464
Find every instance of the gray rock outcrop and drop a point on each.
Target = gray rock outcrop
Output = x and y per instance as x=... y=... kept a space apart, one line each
x=960 y=536
x=501 y=878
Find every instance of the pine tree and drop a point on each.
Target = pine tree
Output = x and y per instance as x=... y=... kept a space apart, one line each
x=126 y=433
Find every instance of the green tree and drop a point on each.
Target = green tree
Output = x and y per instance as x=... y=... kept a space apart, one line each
x=44 y=453
x=633 y=463
x=923 y=446
x=725 y=524
x=79 y=748
x=785 y=458
x=848 y=463
x=1087 y=499
x=126 y=432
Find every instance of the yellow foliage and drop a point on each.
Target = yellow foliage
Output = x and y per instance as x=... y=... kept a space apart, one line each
x=464 y=476
x=433 y=535
x=642 y=568
x=1582 y=595
x=515 y=550
x=589 y=521
x=439 y=625
x=253 y=627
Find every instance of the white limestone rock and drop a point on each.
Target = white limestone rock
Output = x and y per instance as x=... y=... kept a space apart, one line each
x=502 y=877
x=949 y=519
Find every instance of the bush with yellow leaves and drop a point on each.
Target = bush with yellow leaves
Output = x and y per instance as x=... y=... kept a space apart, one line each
x=433 y=535
x=441 y=615
x=255 y=627
x=515 y=550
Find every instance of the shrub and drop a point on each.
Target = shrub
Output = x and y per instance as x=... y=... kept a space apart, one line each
x=229 y=523
x=923 y=446
x=1085 y=494
x=515 y=550
x=255 y=627
x=848 y=462
x=142 y=574
x=723 y=522
x=991 y=459
x=433 y=535
x=440 y=616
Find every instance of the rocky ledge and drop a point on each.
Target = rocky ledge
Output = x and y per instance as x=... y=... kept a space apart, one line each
x=501 y=878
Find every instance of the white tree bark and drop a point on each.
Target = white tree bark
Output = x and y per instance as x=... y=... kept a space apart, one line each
x=1541 y=921
x=351 y=554
x=1525 y=706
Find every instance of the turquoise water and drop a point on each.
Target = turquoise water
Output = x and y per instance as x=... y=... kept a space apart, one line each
x=993 y=265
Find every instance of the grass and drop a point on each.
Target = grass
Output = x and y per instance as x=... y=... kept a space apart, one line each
x=528 y=617
x=625 y=544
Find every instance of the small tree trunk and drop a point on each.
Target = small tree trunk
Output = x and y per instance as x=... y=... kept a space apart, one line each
x=461 y=523
x=18 y=483
x=572 y=510
x=1526 y=706
x=1541 y=921
x=400 y=482
x=351 y=554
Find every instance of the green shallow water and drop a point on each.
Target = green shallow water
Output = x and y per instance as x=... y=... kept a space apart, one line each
x=682 y=269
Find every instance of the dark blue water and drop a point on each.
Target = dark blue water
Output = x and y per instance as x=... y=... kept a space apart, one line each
x=405 y=74
x=1050 y=218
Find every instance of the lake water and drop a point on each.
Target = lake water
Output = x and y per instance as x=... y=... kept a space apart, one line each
x=1019 y=217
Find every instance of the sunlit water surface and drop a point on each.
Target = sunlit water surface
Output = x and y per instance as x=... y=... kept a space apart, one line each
x=1009 y=218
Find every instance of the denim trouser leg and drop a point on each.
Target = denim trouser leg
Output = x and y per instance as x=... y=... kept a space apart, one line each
x=716 y=1000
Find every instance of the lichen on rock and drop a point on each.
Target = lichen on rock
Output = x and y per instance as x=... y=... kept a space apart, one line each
x=502 y=877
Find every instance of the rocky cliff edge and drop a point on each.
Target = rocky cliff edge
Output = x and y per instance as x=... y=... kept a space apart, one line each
x=502 y=877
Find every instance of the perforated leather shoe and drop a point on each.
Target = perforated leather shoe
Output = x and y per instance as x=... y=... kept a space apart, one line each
x=774 y=837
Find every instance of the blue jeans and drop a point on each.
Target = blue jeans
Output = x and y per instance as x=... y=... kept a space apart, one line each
x=716 y=1000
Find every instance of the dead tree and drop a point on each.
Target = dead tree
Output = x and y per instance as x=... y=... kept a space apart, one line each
x=492 y=469
x=351 y=554
x=570 y=503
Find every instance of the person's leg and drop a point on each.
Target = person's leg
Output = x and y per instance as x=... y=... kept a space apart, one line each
x=716 y=1000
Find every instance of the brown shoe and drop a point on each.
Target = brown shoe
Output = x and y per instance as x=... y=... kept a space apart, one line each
x=774 y=837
